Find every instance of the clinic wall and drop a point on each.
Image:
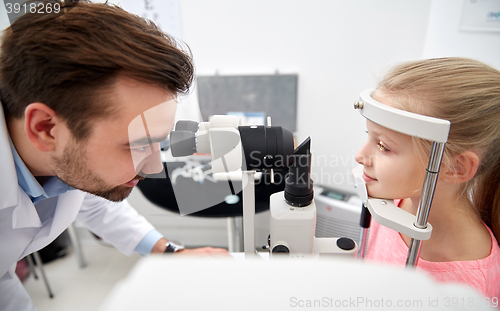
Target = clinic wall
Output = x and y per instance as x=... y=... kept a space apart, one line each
x=444 y=38
x=338 y=49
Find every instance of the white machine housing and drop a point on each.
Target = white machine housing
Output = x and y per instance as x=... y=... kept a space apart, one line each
x=337 y=213
x=220 y=137
x=295 y=229
x=292 y=224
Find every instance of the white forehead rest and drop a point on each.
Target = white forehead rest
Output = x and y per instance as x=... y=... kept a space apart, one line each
x=405 y=122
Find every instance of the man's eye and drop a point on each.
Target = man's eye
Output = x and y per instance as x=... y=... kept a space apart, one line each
x=140 y=149
x=381 y=146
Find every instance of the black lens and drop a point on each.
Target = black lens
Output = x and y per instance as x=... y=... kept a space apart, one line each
x=266 y=147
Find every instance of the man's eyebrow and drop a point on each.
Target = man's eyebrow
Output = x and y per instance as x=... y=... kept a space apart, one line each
x=146 y=140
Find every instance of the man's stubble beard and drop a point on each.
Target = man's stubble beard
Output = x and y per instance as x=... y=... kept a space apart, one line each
x=72 y=168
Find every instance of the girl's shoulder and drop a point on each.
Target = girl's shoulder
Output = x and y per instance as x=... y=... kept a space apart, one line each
x=495 y=248
x=482 y=274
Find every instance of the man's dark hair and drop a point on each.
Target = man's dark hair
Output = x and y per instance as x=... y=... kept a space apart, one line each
x=67 y=60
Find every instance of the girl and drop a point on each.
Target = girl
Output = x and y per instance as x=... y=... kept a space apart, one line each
x=465 y=212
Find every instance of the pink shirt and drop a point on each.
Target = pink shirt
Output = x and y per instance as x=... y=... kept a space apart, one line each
x=386 y=246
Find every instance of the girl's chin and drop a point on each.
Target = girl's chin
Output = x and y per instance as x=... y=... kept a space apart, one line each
x=379 y=194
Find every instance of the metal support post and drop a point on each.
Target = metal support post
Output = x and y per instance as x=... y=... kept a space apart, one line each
x=424 y=205
x=249 y=213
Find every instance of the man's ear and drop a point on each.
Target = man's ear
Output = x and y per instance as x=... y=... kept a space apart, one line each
x=39 y=124
x=465 y=166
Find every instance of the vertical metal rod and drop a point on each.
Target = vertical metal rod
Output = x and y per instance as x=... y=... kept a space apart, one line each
x=271 y=171
x=413 y=253
x=39 y=263
x=77 y=246
x=364 y=221
x=230 y=235
x=235 y=234
x=424 y=206
x=249 y=213
x=362 y=243
x=31 y=266
x=238 y=225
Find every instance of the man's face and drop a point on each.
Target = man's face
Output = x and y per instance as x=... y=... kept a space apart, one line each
x=124 y=147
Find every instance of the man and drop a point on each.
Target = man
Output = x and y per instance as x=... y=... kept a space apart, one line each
x=73 y=85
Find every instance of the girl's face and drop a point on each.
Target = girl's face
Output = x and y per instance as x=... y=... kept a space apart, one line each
x=392 y=169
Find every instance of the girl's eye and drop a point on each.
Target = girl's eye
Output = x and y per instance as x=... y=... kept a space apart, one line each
x=381 y=146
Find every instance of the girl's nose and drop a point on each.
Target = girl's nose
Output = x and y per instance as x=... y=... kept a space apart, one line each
x=363 y=156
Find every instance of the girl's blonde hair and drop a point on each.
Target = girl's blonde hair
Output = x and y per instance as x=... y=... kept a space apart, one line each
x=467 y=93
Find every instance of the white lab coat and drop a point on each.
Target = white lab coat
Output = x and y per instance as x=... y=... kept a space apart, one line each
x=22 y=233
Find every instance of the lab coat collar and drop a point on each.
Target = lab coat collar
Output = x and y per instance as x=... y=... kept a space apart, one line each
x=25 y=214
x=11 y=195
x=8 y=181
x=25 y=179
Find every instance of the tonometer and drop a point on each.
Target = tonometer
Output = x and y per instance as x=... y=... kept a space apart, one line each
x=256 y=148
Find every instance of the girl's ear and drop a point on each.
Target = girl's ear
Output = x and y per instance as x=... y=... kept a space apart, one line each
x=464 y=167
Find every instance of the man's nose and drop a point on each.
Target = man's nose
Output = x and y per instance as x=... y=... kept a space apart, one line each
x=153 y=164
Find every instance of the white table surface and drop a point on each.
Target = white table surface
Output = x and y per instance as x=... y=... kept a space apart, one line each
x=184 y=283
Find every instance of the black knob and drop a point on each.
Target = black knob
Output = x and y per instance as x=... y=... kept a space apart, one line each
x=366 y=217
x=346 y=244
x=281 y=249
